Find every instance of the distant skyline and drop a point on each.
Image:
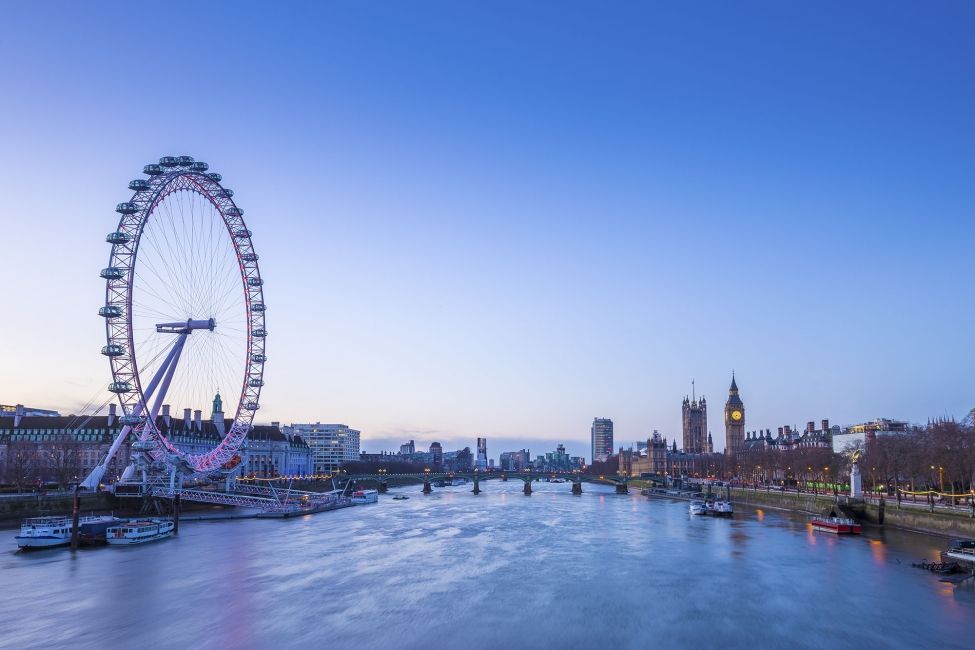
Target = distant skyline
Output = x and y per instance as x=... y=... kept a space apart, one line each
x=506 y=219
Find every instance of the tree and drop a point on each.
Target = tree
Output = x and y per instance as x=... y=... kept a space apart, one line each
x=22 y=466
x=64 y=460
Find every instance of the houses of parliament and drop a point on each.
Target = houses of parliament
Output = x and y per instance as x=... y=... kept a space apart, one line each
x=697 y=456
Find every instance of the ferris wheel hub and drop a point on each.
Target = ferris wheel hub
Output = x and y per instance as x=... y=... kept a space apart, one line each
x=187 y=327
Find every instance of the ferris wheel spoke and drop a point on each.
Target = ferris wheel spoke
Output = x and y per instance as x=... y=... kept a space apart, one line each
x=168 y=284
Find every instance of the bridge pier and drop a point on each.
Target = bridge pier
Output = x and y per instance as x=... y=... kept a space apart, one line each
x=504 y=478
x=383 y=487
x=528 y=488
x=577 y=487
x=427 y=489
x=477 y=486
x=622 y=488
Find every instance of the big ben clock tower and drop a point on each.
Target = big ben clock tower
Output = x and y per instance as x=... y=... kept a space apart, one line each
x=734 y=420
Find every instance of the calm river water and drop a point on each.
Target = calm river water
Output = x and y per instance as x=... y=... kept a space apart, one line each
x=499 y=570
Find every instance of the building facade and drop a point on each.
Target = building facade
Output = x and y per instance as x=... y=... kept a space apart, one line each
x=330 y=444
x=661 y=460
x=515 y=461
x=602 y=439
x=788 y=438
x=63 y=450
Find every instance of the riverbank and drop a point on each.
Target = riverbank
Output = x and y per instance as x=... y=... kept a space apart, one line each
x=15 y=508
x=946 y=523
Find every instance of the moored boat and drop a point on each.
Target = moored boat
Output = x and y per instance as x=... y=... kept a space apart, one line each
x=44 y=532
x=52 y=532
x=960 y=550
x=722 y=508
x=93 y=530
x=838 y=525
x=138 y=531
x=360 y=497
x=698 y=508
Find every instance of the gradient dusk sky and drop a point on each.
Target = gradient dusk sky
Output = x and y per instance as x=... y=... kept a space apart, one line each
x=507 y=218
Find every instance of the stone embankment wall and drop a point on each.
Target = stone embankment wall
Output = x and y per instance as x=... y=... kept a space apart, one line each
x=952 y=524
x=13 y=509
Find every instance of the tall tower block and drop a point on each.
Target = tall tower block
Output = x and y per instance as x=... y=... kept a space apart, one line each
x=734 y=420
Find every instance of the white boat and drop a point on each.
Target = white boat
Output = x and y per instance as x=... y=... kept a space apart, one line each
x=138 y=532
x=51 y=532
x=960 y=550
x=360 y=497
x=723 y=508
x=44 y=532
x=698 y=508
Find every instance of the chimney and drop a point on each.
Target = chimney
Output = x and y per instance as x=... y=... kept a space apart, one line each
x=18 y=414
x=187 y=421
x=112 y=414
x=810 y=426
x=825 y=425
x=197 y=420
x=166 y=417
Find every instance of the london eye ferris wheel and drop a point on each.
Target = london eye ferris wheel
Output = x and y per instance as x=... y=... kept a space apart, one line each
x=184 y=310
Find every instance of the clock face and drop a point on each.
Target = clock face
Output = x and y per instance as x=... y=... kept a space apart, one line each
x=736 y=415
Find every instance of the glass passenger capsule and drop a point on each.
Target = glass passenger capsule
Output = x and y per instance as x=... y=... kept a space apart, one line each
x=113 y=350
x=184 y=161
x=258 y=358
x=199 y=166
x=249 y=257
x=258 y=306
x=120 y=387
x=126 y=208
x=229 y=193
x=139 y=185
x=234 y=211
x=242 y=233
x=112 y=273
x=168 y=161
x=259 y=333
x=252 y=406
x=255 y=282
x=152 y=169
x=214 y=176
x=256 y=383
x=110 y=311
x=118 y=238
x=130 y=420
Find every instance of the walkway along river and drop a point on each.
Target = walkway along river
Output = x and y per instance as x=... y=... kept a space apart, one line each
x=498 y=570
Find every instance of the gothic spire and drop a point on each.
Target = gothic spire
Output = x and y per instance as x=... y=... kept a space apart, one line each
x=734 y=385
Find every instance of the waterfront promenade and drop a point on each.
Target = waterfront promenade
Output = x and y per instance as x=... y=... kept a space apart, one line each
x=521 y=572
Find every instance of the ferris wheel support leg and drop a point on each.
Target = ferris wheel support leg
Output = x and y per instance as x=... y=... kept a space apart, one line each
x=96 y=475
x=172 y=360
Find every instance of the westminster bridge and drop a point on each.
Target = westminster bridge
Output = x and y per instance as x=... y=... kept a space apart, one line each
x=429 y=478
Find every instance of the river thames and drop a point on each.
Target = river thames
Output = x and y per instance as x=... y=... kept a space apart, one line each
x=498 y=570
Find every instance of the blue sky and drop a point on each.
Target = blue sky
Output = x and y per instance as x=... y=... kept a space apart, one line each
x=507 y=218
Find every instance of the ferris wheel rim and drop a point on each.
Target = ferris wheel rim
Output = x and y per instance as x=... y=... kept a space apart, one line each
x=120 y=278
